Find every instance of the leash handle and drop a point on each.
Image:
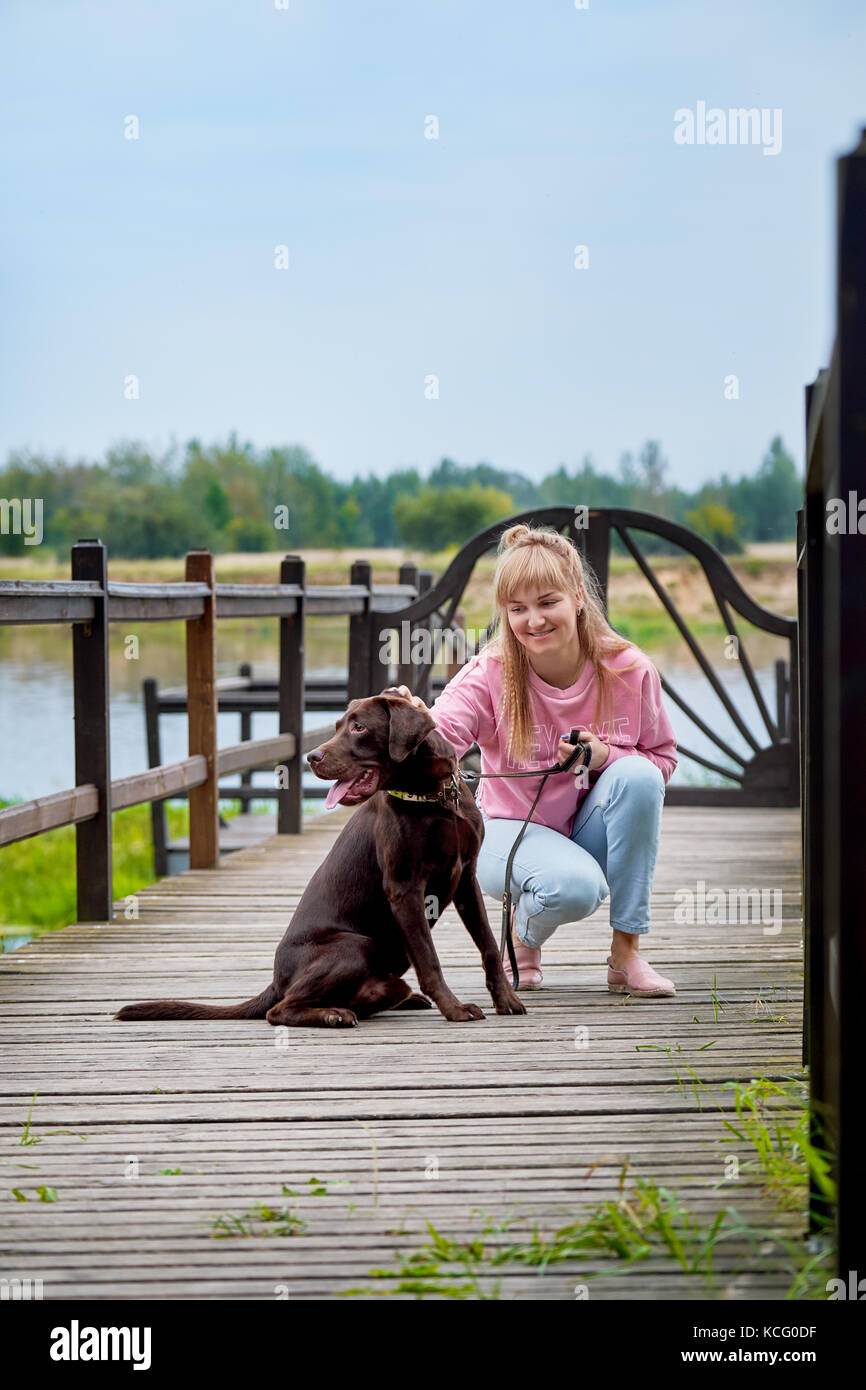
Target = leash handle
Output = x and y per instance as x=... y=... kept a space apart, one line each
x=581 y=749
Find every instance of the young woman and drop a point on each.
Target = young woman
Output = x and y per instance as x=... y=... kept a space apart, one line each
x=555 y=664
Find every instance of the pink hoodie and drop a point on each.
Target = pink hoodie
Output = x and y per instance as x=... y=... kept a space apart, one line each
x=469 y=711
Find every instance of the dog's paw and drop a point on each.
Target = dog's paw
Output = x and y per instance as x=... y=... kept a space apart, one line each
x=463 y=1013
x=339 y=1018
x=510 y=1004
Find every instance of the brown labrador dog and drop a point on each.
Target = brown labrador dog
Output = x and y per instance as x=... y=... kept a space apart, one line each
x=367 y=912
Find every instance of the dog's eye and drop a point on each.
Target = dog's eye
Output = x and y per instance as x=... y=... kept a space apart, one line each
x=357 y=728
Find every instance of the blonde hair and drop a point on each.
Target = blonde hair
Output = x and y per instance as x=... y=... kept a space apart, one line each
x=540 y=559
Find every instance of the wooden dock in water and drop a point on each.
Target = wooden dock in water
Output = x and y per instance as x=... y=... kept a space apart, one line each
x=167 y=1127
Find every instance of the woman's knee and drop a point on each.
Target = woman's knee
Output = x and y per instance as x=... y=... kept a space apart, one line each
x=639 y=778
x=565 y=895
x=572 y=895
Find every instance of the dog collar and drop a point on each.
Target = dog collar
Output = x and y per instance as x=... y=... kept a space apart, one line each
x=450 y=792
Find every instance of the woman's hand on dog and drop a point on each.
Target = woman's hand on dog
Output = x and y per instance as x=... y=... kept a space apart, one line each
x=600 y=751
x=407 y=695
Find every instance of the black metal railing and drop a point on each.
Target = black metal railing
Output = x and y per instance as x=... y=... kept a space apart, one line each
x=769 y=776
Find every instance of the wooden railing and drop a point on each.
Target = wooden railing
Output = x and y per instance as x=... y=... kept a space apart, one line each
x=89 y=602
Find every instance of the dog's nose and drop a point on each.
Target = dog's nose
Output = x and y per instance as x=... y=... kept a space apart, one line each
x=314 y=756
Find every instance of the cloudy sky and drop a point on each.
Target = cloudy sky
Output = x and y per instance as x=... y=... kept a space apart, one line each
x=412 y=258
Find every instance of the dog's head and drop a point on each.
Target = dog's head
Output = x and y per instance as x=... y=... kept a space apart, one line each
x=378 y=739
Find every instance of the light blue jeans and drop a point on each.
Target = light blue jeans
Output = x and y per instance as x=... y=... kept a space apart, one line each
x=614 y=841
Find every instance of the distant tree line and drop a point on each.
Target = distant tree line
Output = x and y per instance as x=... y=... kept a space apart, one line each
x=234 y=499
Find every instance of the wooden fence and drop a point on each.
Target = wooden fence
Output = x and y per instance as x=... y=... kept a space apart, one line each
x=90 y=602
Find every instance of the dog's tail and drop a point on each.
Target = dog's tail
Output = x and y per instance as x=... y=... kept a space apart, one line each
x=179 y=1008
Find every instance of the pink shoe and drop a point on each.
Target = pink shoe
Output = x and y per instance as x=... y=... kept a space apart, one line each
x=528 y=962
x=637 y=978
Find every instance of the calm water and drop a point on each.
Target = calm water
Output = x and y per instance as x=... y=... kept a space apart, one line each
x=36 y=723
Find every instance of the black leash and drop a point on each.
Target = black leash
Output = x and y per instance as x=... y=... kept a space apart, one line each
x=582 y=750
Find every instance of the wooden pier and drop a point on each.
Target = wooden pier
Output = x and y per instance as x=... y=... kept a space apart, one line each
x=170 y=1130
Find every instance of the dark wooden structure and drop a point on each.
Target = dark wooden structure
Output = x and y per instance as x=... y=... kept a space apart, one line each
x=832 y=601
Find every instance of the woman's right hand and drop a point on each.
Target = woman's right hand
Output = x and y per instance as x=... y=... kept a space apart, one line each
x=407 y=695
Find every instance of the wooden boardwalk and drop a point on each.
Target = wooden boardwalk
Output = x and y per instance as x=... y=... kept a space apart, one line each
x=403 y=1119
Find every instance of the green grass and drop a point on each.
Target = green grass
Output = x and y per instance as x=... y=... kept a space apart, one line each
x=770 y=1127
x=263 y=1220
x=27 y=1135
x=37 y=876
x=647 y=1220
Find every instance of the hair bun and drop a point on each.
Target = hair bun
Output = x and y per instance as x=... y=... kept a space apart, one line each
x=515 y=535
x=532 y=535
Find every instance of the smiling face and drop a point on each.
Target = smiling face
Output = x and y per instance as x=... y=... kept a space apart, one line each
x=543 y=620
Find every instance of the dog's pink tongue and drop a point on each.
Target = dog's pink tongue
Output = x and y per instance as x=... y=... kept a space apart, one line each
x=337 y=792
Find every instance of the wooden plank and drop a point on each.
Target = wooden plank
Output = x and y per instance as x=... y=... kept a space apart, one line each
x=255 y=753
x=520 y=1121
x=47 y=812
x=151 y=603
x=158 y=782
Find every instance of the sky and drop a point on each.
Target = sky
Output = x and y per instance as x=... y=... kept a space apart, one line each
x=431 y=305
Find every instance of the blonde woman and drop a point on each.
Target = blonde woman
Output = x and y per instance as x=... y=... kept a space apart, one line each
x=554 y=664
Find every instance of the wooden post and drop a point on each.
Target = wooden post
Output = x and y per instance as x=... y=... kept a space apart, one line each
x=360 y=636
x=405 y=672
x=202 y=716
x=424 y=670
x=154 y=759
x=843 y=750
x=246 y=671
x=290 y=807
x=93 y=870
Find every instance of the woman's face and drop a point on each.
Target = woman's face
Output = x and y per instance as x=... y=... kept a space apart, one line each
x=543 y=620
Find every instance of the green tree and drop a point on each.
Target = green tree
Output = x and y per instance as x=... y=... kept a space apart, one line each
x=449 y=516
x=717 y=525
x=772 y=497
x=215 y=505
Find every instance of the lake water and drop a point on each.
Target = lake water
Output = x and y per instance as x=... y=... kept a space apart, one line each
x=36 y=713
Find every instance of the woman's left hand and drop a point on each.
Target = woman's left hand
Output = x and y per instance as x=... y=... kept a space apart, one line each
x=600 y=751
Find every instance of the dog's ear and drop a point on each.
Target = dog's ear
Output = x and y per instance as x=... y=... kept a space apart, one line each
x=409 y=727
x=444 y=759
